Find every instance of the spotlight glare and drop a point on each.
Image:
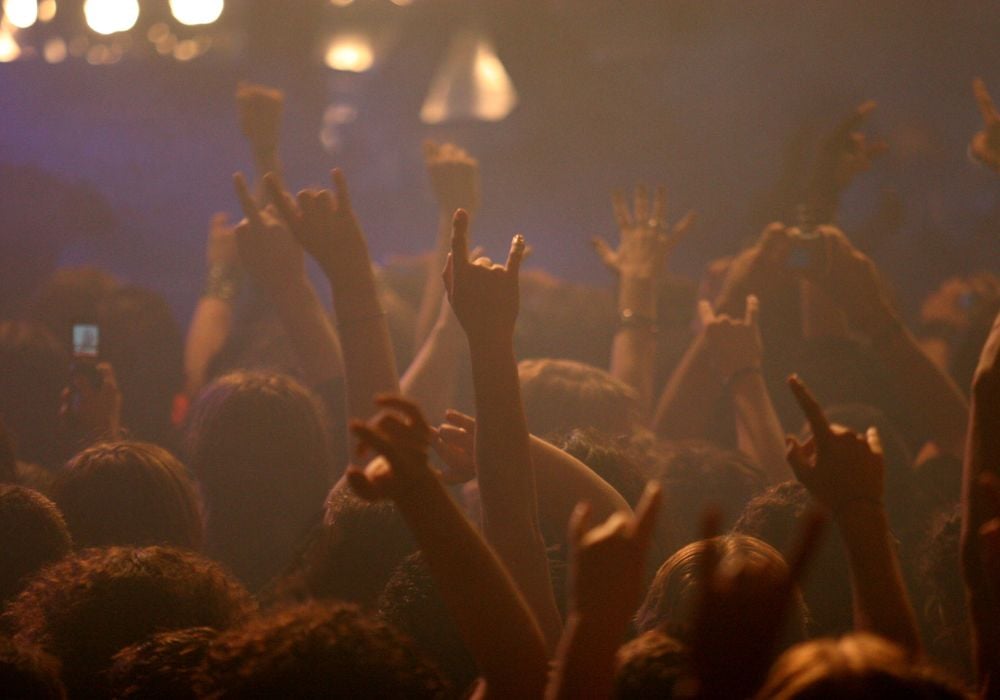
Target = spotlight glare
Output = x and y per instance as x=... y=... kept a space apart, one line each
x=192 y=12
x=9 y=49
x=47 y=10
x=111 y=16
x=55 y=50
x=20 y=13
x=350 y=52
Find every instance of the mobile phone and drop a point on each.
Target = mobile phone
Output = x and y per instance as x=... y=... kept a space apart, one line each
x=86 y=350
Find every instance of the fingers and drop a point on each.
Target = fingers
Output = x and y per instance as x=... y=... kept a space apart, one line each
x=705 y=313
x=984 y=101
x=430 y=149
x=340 y=188
x=855 y=120
x=250 y=210
x=360 y=484
x=454 y=436
x=682 y=227
x=646 y=512
x=810 y=407
x=641 y=204
x=873 y=440
x=579 y=522
x=460 y=237
x=461 y=420
x=659 y=212
x=753 y=308
x=407 y=408
x=603 y=250
x=622 y=216
x=797 y=458
x=368 y=438
x=515 y=255
x=279 y=197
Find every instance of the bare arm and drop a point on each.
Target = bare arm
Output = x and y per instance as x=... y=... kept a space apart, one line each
x=432 y=377
x=493 y=619
x=260 y=109
x=485 y=298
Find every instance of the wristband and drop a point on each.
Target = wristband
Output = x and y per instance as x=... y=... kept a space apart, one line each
x=627 y=318
x=223 y=282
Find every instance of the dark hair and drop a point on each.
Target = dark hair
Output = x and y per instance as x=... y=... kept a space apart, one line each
x=316 y=650
x=775 y=516
x=130 y=494
x=613 y=458
x=259 y=447
x=856 y=666
x=163 y=666
x=650 y=666
x=34 y=368
x=8 y=457
x=87 y=607
x=68 y=296
x=411 y=603
x=28 y=674
x=32 y=535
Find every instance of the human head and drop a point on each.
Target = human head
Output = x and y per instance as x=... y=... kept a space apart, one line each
x=33 y=534
x=613 y=458
x=258 y=445
x=68 y=296
x=649 y=666
x=87 y=607
x=129 y=494
x=562 y=395
x=316 y=650
x=859 y=666
x=671 y=599
x=161 y=666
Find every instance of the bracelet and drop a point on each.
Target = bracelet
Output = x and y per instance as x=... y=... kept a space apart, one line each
x=739 y=374
x=223 y=282
x=627 y=318
x=361 y=319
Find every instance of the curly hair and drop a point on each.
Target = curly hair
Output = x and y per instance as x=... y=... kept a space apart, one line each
x=650 y=666
x=161 y=666
x=85 y=608
x=316 y=650
x=32 y=535
x=28 y=673
x=130 y=494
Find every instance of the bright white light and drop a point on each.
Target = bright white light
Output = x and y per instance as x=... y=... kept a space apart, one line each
x=20 y=13
x=471 y=84
x=341 y=3
x=110 y=16
x=350 y=52
x=193 y=12
x=47 y=10
x=55 y=50
x=9 y=50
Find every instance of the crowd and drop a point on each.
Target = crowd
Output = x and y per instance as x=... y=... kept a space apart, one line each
x=774 y=488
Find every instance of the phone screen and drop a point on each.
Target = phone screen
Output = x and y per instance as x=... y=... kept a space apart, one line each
x=86 y=340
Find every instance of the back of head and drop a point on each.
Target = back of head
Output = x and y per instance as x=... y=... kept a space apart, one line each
x=131 y=494
x=856 y=666
x=162 y=666
x=614 y=458
x=776 y=517
x=650 y=666
x=33 y=534
x=87 y=607
x=34 y=368
x=28 y=674
x=143 y=342
x=562 y=395
x=259 y=448
x=671 y=599
x=697 y=475
x=68 y=296
x=316 y=651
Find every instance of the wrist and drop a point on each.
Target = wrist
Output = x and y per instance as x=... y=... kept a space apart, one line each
x=223 y=281
x=638 y=293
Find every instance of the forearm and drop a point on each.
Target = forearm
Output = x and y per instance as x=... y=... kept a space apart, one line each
x=943 y=411
x=493 y=619
x=758 y=429
x=208 y=332
x=585 y=664
x=633 y=349
x=685 y=407
x=369 y=362
x=881 y=603
x=433 y=287
x=507 y=480
x=431 y=378
x=309 y=332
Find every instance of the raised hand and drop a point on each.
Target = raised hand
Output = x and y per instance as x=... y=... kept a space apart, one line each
x=323 y=222
x=985 y=145
x=401 y=435
x=260 y=110
x=454 y=176
x=454 y=442
x=734 y=345
x=645 y=238
x=838 y=467
x=267 y=249
x=484 y=296
x=847 y=152
x=92 y=411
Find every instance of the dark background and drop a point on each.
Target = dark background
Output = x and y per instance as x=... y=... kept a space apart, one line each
x=126 y=163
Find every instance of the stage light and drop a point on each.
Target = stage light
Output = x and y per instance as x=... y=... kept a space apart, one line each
x=20 y=13
x=55 y=50
x=111 y=16
x=350 y=52
x=341 y=3
x=192 y=12
x=471 y=84
x=47 y=10
x=9 y=49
